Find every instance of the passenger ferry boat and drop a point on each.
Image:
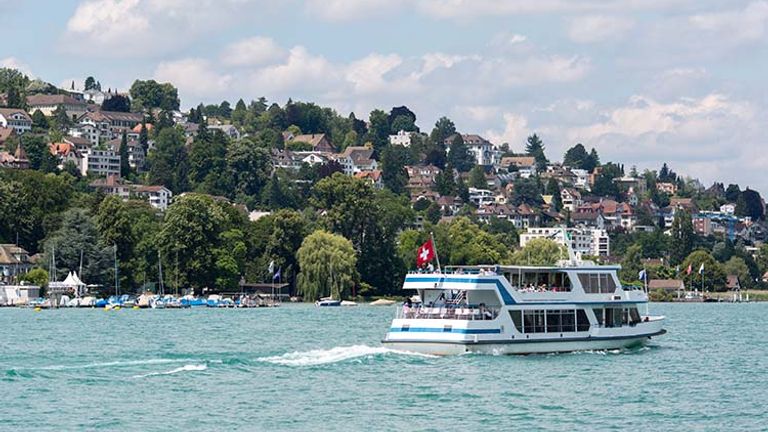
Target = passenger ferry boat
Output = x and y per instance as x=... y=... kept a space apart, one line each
x=573 y=306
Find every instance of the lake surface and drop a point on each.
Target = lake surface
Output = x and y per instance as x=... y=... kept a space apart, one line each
x=303 y=368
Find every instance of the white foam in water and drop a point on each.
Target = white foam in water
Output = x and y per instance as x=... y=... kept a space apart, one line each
x=185 y=368
x=111 y=364
x=333 y=355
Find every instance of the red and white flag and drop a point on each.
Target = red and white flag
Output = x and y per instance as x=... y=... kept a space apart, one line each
x=425 y=254
x=689 y=270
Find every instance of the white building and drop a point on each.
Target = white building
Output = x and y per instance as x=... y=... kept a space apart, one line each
x=584 y=241
x=481 y=197
x=481 y=149
x=582 y=178
x=48 y=103
x=16 y=119
x=728 y=208
x=101 y=163
x=158 y=197
x=402 y=138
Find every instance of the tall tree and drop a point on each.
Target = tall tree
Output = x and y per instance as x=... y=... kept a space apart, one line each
x=535 y=148
x=576 y=156
x=168 y=161
x=151 y=94
x=732 y=193
x=125 y=167
x=328 y=266
x=477 y=178
x=458 y=154
x=90 y=83
x=750 y=204
x=682 y=237
x=393 y=162
x=118 y=103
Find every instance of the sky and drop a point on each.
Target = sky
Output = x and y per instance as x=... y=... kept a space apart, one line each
x=642 y=81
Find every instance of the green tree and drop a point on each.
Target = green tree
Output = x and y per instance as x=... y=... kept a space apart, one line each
x=125 y=167
x=750 y=204
x=682 y=237
x=208 y=163
x=630 y=263
x=540 y=252
x=553 y=188
x=168 y=161
x=393 y=173
x=433 y=213
x=732 y=193
x=78 y=236
x=713 y=275
x=402 y=123
x=458 y=154
x=151 y=94
x=535 y=148
x=39 y=121
x=466 y=244
x=60 y=119
x=738 y=267
x=36 y=276
x=90 y=83
x=38 y=153
x=328 y=266
x=444 y=182
x=378 y=131
x=477 y=178
x=250 y=168
x=443 y=129
x=117 y=103
x=288 y=231
x=604 y=184
x=576 y=156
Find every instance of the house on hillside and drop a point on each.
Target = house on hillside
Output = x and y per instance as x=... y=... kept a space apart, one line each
x=66 y=152
x=158 y=197
x=525 y=166
x=48 y=103
x=356 y=159
x=17 y=160
x=102 y=126
x=101 y=162
x=481 y=149
x=136 y=156
x=421 y=177
x=14 y=262
x=666 y=187
x=571 y=199
x=319 y=142
x=373 y=177
x=6 y=134
x=228 y=130
x=16 y=119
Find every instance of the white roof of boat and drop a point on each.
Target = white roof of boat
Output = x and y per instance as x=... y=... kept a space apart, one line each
x=590 y=266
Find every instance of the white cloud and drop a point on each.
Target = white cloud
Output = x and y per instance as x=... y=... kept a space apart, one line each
x=301 y=72
x=140 y=28
x=195 y=78
x=15 y=63
x=747 y=24
x=538 y=70
x=367 y=74
x=598 y=28
x=252 y=51
x=515 y=131
x=347 y=10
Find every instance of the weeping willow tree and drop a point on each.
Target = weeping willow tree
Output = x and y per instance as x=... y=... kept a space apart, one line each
x=328 y=266
x=540 y=252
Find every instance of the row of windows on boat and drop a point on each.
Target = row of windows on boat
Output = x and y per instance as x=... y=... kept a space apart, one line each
x=571 y=320
x=592 y=283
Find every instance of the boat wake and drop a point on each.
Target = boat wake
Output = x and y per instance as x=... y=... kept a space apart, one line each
x=110 y=364
x=185 y=368
x=334 y=355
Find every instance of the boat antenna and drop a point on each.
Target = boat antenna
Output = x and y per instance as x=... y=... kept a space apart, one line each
x=434 y=247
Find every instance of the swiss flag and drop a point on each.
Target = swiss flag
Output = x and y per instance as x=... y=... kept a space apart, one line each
x=425 y=254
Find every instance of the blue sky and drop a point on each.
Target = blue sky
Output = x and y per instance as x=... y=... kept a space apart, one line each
x=643 y=81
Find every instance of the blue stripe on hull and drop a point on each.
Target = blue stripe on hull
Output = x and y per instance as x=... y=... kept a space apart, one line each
x=443 y=330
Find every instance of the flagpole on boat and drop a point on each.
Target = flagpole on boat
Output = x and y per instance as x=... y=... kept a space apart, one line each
x=434 y=246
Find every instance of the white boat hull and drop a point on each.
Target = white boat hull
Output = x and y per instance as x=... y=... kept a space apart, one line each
x=490 y=347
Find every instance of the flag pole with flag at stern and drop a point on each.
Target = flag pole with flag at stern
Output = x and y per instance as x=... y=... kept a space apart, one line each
x=426 y=253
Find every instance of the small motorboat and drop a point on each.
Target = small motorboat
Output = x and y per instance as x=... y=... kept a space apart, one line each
x=327 y=302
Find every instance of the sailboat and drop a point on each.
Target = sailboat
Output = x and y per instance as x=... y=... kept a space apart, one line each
x=329 y=301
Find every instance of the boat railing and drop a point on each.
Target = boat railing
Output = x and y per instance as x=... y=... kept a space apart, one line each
x=449 y=312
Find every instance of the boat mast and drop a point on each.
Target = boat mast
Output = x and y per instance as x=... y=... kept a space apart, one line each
x=161 y=290
x=117 y=283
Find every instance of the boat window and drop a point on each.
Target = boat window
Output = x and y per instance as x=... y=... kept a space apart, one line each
x=634 y=316
x=597 y=283
x=533 y=321
x=517 y=319
x=559 y=321
x=540 y=281
x=599 y=315
x=582 y=322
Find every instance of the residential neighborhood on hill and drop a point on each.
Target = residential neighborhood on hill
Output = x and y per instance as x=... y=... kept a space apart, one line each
x=380 y=178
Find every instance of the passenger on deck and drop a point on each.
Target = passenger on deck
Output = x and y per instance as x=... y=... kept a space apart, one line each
x=485 y=313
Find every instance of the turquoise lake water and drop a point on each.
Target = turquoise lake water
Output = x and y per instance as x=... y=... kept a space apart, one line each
x=303 y=368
